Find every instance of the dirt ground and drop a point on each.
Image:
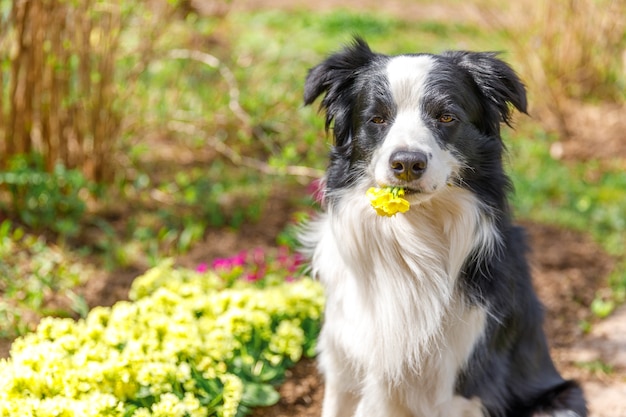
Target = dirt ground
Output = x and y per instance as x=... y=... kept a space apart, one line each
x=569 y=268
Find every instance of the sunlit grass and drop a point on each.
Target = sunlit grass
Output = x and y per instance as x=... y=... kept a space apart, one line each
x=270 y=53
x=180 y=107
x=585 y=196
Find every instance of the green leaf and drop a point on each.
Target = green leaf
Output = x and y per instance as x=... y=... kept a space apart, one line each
x=259 y=395
x=79 y=304
x=602 y=308
x=269 y=373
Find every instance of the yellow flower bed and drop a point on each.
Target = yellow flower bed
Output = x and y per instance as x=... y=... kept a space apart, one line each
x=388 y=201
x=188 y=344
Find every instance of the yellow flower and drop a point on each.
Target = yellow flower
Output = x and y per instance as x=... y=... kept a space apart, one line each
x=233 y=392
x=169 y=405
x=388 y=201
x=288 y=340
x=180 y=324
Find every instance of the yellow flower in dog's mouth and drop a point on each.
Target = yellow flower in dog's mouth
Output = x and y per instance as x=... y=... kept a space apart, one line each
x=388 y=201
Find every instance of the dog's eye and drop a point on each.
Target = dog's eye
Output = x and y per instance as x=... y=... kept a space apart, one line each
x=446 y=118
x=377 y=120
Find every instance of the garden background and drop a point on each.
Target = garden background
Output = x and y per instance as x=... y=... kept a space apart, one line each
x=136 y=132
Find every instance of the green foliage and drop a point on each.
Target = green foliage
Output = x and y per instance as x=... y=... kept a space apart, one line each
x=216 y=199
x=344 y=22
x=583 y=196
x=206 y=143
x=602 y=308
x=36 y=279
x=290 y=235
x=189 y=343
x=170 y=213
x=45 y=200
x=597 y=367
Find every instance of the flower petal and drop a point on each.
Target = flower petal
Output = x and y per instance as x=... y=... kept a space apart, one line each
x=388 y=201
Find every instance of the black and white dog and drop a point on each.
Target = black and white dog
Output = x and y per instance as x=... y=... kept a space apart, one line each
x=430 y=313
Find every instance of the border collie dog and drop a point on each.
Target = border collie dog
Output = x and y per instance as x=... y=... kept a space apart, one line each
x=430 y=313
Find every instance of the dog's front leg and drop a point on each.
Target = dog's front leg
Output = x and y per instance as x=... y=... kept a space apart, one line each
x=341 y=384
x=378 y=400
x=337 y=401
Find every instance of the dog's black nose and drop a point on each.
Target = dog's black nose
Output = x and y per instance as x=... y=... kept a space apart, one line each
x=408 y=166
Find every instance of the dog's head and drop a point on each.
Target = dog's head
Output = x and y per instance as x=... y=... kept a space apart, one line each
x=417 y=121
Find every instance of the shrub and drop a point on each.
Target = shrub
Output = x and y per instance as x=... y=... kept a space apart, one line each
x=36 y=279
x=189 y=343
x=45 y=200
x=66 y=71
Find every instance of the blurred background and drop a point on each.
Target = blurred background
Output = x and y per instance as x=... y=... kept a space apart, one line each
x=131 y=131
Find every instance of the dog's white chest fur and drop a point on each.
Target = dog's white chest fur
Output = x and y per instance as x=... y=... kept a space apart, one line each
x=439 y=300
x=394 y=317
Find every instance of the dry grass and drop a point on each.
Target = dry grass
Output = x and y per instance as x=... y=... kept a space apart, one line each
x=61 y=83
x=61 y=96
x=569 y=50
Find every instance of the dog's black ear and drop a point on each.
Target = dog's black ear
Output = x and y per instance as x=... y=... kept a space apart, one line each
x=335 y=77
x=495 y=79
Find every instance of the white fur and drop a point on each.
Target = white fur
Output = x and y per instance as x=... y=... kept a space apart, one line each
x=406 y=75
x=397 y=331
x=398 y=327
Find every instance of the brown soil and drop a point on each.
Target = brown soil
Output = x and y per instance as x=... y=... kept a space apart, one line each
x=569 y=268
x=592 y=132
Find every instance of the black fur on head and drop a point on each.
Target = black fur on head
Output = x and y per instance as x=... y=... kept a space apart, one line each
x=444 y=111
x=496 y=81
x=336 y=77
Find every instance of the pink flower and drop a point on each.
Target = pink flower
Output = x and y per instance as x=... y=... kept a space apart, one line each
x=258 y=256
x=283 y=257
x=252 y=277
x=317 y=188
x=298 y=259
x=202 y=268
x=256 y=264
x=239 y=259
x=221 y=264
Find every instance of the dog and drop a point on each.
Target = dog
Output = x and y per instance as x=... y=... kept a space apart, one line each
x=430 y=313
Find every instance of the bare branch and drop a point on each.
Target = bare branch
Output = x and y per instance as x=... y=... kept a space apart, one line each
x=238 y=159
